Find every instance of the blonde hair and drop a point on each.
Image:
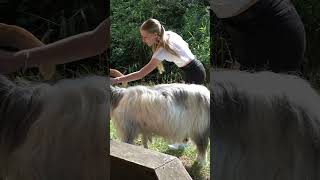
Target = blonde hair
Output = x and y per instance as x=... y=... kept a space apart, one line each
x=154 y=26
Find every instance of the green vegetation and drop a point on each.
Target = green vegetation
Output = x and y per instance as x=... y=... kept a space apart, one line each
x=189 y=18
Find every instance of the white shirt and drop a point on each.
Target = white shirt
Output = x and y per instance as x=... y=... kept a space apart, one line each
x=229 y=8
x=179 y=46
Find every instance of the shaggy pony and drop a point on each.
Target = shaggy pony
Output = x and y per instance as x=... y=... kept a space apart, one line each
x=265 y=126
x=173 y=111
x=54 y=131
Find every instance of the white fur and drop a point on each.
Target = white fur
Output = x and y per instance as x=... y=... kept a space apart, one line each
x=66 y=140
x=173 y=111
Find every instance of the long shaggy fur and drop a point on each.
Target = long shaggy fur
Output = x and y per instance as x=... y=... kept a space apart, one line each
x=173 y=111
x=54 y=131
x=265 y=126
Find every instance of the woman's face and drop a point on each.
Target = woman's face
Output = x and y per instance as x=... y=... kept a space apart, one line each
x=148 y=38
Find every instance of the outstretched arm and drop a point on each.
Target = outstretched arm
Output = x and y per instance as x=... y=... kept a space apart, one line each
x=70 y=49
x=138 y=74
x=115 y=73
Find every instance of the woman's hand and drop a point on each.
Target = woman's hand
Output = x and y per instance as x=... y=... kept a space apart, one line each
x=10 y=61
x=115 y=73
x=113 y=81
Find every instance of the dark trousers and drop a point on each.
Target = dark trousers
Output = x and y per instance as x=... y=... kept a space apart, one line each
x=268 y=36
x=194 y=72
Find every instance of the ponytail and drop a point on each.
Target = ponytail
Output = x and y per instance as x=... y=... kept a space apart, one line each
x=154 y=26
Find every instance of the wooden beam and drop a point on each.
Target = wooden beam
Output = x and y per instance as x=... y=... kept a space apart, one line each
x=135 y=162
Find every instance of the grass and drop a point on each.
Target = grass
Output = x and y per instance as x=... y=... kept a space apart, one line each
x=187 y=156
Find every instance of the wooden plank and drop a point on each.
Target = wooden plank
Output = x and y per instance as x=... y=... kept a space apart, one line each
x=135 y=162
x=173 y=170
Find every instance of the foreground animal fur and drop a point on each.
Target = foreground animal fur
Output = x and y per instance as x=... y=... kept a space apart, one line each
x=265 y=126
x=54 y=131
x=173 y=111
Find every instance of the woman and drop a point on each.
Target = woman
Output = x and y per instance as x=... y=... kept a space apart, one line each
x=169 y=46
x=265 y=34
